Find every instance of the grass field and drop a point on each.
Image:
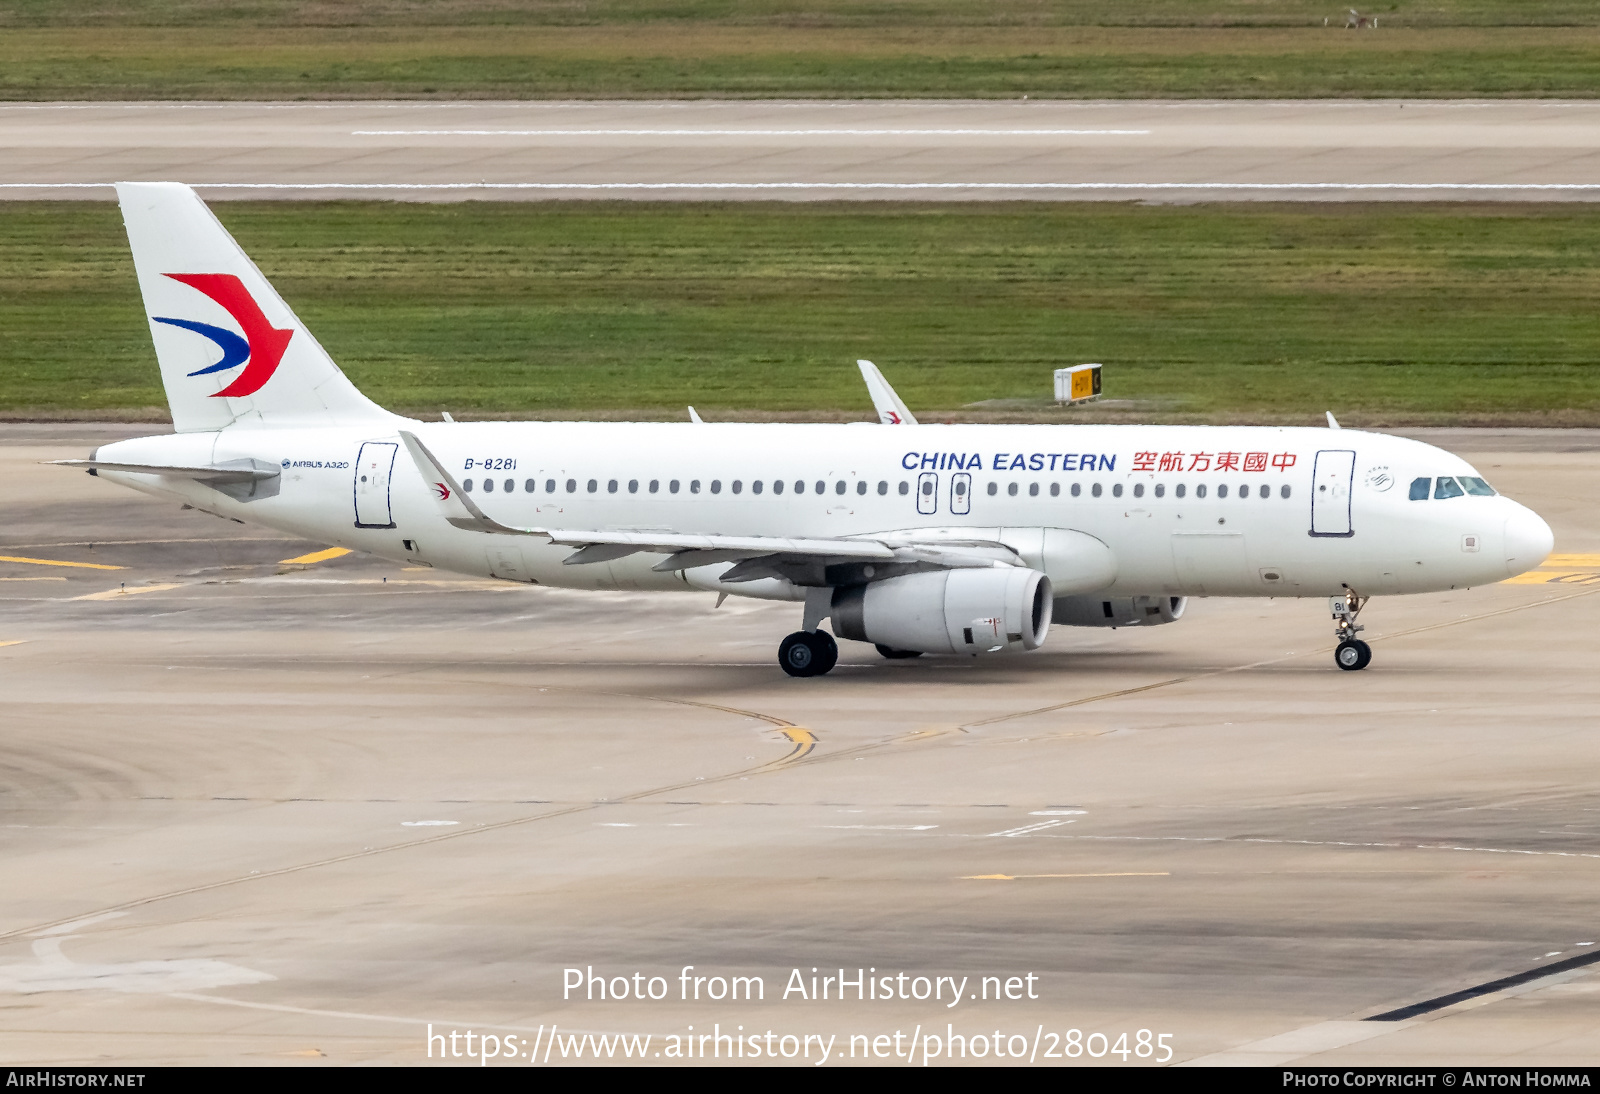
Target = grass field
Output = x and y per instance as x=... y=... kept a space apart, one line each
x=1386 y=314
x=141 y=49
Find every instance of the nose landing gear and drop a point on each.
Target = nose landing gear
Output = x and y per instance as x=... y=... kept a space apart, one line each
x=1352 y=653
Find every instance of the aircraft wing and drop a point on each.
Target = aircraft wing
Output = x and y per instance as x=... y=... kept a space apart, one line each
x=759 y=556
x=891 y=410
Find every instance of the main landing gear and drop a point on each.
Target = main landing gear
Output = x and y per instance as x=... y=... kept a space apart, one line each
x=1351 y=653
x=808 y=653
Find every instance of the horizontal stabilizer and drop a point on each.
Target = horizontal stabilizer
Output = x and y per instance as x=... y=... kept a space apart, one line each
x=252 y=473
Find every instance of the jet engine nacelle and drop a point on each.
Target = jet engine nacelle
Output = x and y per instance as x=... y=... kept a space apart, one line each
x=948 y=611
x=1118 y=611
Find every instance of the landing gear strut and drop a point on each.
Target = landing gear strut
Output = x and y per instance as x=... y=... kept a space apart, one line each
x=1351 y=653
x=808 y=653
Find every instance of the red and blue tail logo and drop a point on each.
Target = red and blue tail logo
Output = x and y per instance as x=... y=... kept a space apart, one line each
x=261 y=348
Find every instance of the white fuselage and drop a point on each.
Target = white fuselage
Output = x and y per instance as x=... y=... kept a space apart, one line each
x=1184 y=510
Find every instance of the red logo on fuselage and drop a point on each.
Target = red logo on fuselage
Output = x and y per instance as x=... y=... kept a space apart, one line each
x=266 y=342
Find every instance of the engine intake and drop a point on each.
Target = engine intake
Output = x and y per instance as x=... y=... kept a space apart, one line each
x=1118 y=611
x=948 y=611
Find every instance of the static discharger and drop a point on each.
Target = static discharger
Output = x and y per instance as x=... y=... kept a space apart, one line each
x=1077 y=384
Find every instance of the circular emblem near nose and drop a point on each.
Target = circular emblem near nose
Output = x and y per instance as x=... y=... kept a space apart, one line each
x=1379 y=479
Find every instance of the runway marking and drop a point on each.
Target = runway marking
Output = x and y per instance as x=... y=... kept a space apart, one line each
x=750 y=132
x=284 y=1008
x=113 y=594
x=1284 y=1047
x=1572 y=560
x=316 y=556
x=14 y=642
x=1023 y=877
x=804 y=741
x=1554 y=577
x=1388 y=845
x=892 y=187
x=32 y=579
x=59 y=562
x=884 y=827
x=1030 y=829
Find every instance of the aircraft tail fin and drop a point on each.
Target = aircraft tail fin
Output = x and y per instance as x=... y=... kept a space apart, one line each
x=229 y=348
x=891 y=411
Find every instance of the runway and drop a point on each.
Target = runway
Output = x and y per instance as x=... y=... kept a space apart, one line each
x=810 y=150
x=260 y=804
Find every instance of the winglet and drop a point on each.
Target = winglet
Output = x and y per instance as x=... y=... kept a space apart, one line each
x=455 y=503
x=891 y=411
x=695 y=418
x=1332 y=423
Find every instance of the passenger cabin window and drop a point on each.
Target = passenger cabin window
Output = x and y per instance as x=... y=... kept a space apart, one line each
x=611 y=486
x=1116 y=491
x=994 y=488
x=594 y=484
x=1446 y=487
x=1222 y=490
x=633 y=486
x=572 y=486
x=1419 y=489
x=1266 y=491
x=1077 y=488
x=861 y=487
x=1011 y=488
x=905 y=488
x=655 y=485
x=1055 y=490
x=1033 y=490
x=755 y=487
x=529 y=486
x=1285 y=490
x=510 y=486
x=1095 y=490
x=1161 y=490
x=1180 y=490
x=1476 y=485
x=488 y=485
x=1200 y=490
x=1138 y=489
x=822 y=487
x=777 y=486
x=716 y=486
x=467 y=486
x=672 y=487
x=883 y=487
x=549 y=486
x=694 y=486
x=840 y=487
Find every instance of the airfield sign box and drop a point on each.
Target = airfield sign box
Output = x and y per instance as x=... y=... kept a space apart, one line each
x=1077 y=384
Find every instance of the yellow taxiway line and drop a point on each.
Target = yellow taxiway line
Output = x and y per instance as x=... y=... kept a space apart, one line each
x=58 y=562
x=316 y=556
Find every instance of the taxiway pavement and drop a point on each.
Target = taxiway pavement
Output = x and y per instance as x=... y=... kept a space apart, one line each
x=266 y=811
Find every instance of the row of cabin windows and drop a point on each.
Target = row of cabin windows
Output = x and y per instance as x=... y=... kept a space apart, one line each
x=1160 y=490
x=673 y=486
x=1450 y=486
x=841 y=487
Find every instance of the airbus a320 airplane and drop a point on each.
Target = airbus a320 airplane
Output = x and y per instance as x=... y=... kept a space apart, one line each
x=941 y=539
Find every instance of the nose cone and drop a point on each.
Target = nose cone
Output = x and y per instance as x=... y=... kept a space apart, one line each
x=1528 y=541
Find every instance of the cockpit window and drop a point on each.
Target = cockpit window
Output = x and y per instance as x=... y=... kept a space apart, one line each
x=1476 y=485
x=1446 y=487
x=1420 y=488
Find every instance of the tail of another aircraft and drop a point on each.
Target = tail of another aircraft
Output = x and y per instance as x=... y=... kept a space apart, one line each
x=230 y=349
